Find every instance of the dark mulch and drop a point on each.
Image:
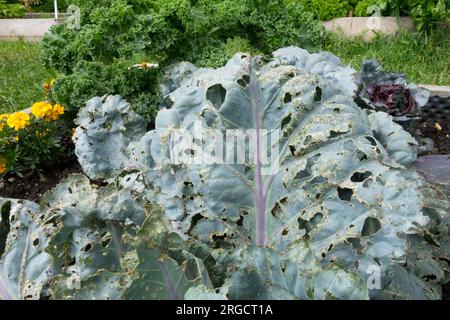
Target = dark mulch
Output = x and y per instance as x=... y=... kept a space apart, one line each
x=446 y=291
x=439 y=132
x=34 y=185
x=441 y=138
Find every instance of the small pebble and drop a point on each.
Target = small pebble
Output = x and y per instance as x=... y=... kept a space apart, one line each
x=12 y=179
x=438 y=126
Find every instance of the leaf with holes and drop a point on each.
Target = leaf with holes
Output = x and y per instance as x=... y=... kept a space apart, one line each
x=329 y=182
x=105 y=128
x=5 y=207
x=90 y=242
x=400 y=145
x=274 y=185
x=24 y=266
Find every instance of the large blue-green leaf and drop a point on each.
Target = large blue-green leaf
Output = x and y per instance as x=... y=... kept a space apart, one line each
x=5 y=207
x=400 y=145
x=337 y=201
x=165 y=268
x=105 y=250
x=24 y=266
x=334 y=185
x=92 y=222
x=262 y=273
x=159 y=277
x=105 y=128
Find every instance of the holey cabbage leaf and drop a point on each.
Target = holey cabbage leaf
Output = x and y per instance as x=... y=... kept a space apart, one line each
x=335 y=206
x=91 y=242
x=336 y=214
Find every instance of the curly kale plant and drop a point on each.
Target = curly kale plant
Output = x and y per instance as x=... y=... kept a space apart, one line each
x=339 y=204
x=365 y=8
x=114 y=35
x=328 y=9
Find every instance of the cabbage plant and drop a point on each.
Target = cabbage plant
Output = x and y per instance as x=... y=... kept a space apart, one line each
x=339 y=212
x=389 y=91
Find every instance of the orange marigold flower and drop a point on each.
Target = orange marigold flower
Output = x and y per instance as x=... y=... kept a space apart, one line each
x=56 y=112
x=3 y=167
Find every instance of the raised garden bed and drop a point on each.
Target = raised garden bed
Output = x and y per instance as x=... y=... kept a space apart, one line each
x=44 y=15
x=369 y=27
x=29 y=29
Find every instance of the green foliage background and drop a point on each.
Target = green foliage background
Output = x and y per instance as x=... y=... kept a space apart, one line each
x=11 y=10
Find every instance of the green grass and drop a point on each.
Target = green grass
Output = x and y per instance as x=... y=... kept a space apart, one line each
x=425 y=62
x=21 y=75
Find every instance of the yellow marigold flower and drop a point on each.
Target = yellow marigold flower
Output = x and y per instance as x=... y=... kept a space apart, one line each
x=46 y=86
x=41 y=109
x=3 y=167
x=18 y=120
x=52 y=83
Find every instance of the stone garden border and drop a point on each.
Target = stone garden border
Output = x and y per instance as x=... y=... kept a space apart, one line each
x=442 y=91
x=368 y=27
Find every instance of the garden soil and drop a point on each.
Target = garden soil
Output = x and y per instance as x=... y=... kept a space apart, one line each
x=33 y=186
x=439 y=131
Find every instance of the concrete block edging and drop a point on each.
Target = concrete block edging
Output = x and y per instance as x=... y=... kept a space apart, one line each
x=27 y=29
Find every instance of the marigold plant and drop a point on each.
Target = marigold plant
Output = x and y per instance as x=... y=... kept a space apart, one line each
x=32 y=141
